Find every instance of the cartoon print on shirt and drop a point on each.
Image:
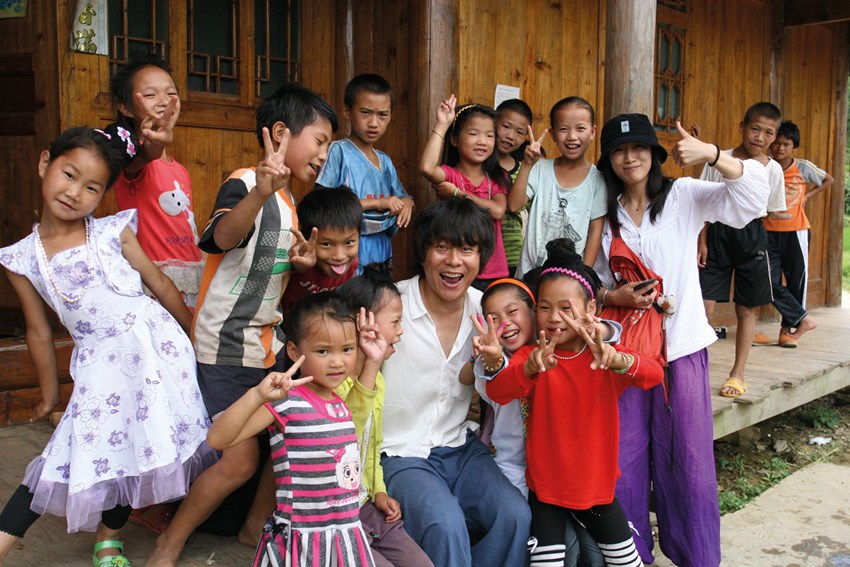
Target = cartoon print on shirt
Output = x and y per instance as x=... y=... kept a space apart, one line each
x=561 y=219
x=347 y=466
x=177 y=201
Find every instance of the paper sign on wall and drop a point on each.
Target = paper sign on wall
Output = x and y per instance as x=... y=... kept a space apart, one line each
x=88 y=32
x=503 y=93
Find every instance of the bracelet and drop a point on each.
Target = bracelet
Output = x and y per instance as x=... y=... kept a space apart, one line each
x=456 y=190
x=603 y=295
x=434 y=130
x=717 y=157
x=494 y=368
x=628 y=360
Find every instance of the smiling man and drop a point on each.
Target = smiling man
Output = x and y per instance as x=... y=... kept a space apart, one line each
x=444 y=477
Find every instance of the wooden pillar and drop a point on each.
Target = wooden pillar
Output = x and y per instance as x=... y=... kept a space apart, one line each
x=437 y=47
x=832 y=293
x=629 y=57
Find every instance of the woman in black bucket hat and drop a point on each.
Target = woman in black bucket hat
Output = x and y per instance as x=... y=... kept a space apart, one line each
x=659 y=219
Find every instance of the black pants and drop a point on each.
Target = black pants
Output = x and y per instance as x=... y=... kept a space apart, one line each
x=17 y=516
x=606 y=523
x=789 y=259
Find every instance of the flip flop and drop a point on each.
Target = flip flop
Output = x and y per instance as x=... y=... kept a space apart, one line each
x=735 y=384
x=110 y=560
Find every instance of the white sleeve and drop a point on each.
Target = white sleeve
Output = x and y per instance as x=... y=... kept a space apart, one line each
x=776 y=181
x=734 y=201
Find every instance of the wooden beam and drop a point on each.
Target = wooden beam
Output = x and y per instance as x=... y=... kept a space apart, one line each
x=629 y=57
x=836 y=202
x=808 y=12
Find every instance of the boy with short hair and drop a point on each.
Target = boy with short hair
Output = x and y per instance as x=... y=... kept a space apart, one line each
x=253 y=243
x=337 y=216
x=513 y=119
x=788 y=238
x=368 y=172
x=724 y=250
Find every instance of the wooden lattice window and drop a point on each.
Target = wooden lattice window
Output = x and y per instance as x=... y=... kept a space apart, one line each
x=276 y=43
x=213 y=46
x=670 y=42
x=136 y=25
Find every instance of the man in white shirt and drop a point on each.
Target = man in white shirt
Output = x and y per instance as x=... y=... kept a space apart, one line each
x=444 y=477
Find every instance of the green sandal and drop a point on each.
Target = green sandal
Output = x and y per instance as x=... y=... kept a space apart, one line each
x=110 y=560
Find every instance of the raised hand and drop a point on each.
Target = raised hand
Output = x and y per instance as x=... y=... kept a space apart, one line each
x=272 y=173
x=156 y=128
x=302 y=255
x=486 y=344
x=371 y=341
x=542 y=358
x=603 y=354
x=446 y=111
x=533 y=150
x=276 y=385
x=690 y=150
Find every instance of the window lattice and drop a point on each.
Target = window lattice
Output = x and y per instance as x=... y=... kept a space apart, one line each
x=669 y=75
x=212 y=47
x=276 y=44
x=137 y=25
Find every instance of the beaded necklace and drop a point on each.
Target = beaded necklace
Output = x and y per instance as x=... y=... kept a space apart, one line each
x=572 y=356
x=50 y=276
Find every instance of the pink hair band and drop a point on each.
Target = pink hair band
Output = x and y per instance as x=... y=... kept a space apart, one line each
x=574 y=275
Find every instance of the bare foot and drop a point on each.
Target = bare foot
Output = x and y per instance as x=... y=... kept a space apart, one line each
x=807 y=324
x=245 y=536
x=163 y=555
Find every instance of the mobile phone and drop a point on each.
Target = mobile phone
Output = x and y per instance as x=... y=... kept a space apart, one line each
x=645 y=283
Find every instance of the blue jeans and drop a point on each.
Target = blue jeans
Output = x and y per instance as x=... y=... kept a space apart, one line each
x=457 y=492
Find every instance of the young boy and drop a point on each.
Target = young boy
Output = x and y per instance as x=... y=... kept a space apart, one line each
x=788 y=238
x=337 y=216
x=369 y=173
x=513 y=119
x=724 y=250
x=253 y=243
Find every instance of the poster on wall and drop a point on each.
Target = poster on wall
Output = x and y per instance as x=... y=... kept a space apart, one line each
x=13 y=8
x=88 y=32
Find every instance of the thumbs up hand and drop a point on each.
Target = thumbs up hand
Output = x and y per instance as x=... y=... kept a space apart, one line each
x=690 y=150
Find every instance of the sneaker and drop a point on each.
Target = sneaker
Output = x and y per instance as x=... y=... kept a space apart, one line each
x=787 y=341
x=760 y=339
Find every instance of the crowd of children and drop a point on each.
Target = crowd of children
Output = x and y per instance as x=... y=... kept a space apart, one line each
x=303 y=348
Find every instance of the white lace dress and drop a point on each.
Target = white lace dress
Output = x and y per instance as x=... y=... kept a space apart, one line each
x=135 y=428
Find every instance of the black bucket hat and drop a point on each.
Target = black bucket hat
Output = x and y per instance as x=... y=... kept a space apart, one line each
x=626 y=128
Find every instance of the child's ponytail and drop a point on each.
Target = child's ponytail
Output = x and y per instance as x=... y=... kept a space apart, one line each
x=564 y=261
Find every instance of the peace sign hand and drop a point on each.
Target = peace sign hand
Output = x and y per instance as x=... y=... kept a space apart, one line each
x=486 y=344
x=446 y=111
x=272 y=173
x=302 y=255
x=371 y=341
x=690 y=150
x=533 y=150
x=542 y=358
x=276 y=385
x=603 y=353
x=155 y=128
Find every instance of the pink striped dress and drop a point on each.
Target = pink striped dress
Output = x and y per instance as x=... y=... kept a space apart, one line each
x=317 y=473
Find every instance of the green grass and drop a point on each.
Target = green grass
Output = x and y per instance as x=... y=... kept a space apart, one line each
x=845 y=257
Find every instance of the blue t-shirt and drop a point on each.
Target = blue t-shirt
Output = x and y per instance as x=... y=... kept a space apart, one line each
x=349 y=166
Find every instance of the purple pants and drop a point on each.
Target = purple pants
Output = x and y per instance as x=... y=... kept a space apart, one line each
x=391 y=546
x=674 y=449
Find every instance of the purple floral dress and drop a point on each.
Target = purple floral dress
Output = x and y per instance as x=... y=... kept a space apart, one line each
x=135 y=428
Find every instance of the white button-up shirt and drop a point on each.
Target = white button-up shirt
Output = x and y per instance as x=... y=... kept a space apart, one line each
x=425 y=404
x=669 y=246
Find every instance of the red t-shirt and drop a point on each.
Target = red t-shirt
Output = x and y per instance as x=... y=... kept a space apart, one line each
x=162 y=193
x=301 y=284
x=573 y=432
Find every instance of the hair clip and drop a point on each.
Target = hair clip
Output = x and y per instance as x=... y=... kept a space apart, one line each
x=108 y=136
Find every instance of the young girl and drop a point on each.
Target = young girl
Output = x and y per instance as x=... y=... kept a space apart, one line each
x=155 y=183
x=313 y=442
x=471 y=170
x=380 y=514
x=573 y=365
x=133 y=433
x=661 y=219
x=567 y=193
